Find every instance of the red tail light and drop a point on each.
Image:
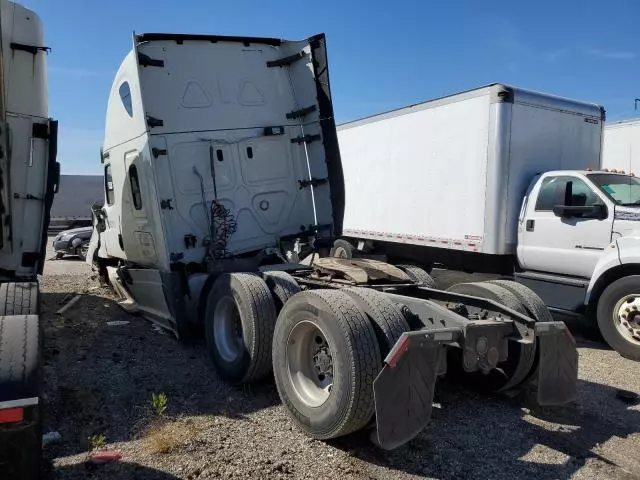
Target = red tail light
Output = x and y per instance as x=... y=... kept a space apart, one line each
x=11 y=415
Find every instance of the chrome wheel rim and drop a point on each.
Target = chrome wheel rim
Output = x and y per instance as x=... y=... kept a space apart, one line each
x=310 y=364
x=84 y=249
x=227 y=330
x=626 y=317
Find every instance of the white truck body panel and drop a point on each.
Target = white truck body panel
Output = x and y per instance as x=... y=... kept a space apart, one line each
x=212 y=120
x=30 y=162
x=451 y=173
x=621 y=146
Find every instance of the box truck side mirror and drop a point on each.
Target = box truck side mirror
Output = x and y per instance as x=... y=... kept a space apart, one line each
x=598 y=211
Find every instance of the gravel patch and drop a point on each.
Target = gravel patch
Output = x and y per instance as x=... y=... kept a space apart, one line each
x=99 y=380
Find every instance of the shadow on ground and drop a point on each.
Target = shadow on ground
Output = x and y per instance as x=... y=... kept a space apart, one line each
x=99 y=380
x=475 y=436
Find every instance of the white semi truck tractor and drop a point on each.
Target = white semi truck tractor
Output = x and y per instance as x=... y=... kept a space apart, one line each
x=505 y=181
x=29 y=176
x=219 y=177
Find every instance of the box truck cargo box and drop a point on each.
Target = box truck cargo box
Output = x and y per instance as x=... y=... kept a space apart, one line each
x=621 y=149
x=451 y=173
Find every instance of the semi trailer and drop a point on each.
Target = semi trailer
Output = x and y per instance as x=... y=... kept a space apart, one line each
x=223 y=181
x=29 y=175
x=505 y=181
x=621 y=147
x=72 y=204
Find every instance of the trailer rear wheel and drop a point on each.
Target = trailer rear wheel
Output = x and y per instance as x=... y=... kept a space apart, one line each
x=240 y=316
x=618 y=315
x=385 y=316
x=282 y=286
x=418 y=275
x=20 y=378
x=521 y=359
x=342 y=249
x=325 y=359
x=19 y=298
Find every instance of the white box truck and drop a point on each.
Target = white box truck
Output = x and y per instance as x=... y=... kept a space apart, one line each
x=500 y=180
x=621 y=147
x=29 y=175
x=219 y=176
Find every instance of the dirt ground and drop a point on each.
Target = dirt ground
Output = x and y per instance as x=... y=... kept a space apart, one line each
x=100 y=379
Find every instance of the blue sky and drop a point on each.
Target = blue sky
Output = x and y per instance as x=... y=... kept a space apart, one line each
x=382 y=55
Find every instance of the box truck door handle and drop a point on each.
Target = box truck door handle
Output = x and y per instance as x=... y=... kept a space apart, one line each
x=531 y=225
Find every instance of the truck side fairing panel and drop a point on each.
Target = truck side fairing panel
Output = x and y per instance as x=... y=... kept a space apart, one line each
x=28 y=169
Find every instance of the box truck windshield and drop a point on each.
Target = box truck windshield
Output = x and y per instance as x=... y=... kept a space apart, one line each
x=622 y=189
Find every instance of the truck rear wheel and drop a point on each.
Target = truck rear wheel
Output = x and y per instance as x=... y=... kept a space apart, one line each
x=325 y=359
x=342 y=249
x=528 y=298
x=385 y=316
x=618 y=315
x=521 y=359
x=239 y=320
x=418 y=275
x=282 y=286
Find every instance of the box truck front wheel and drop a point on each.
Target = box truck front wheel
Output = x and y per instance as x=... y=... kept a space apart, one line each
x=618 y=315
x=325 y=359
x=239 y=320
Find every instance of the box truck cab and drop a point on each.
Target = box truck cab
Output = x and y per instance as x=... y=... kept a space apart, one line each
x=498 y=180
x=579 y=238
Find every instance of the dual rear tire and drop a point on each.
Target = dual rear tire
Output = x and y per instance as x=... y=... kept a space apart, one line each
x=20 y=379
x=325 y=347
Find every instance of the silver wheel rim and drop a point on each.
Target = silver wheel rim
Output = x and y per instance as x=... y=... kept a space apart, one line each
x=227 y=330
x=626 y=317
x=310 y=364
x=84 y=249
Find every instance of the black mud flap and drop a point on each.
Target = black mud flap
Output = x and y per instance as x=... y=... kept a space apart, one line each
x=403 y=390
x=557 y=375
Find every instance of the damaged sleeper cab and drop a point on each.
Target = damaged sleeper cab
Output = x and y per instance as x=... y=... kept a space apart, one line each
x=220 y=176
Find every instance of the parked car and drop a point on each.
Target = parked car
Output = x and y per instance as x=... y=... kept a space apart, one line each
x=73 y=242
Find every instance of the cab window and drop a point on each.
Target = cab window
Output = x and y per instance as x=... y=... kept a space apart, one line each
x=108 y=185
x=553 y=191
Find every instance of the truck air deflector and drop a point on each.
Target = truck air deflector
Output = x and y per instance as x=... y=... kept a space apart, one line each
x=180 y=38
